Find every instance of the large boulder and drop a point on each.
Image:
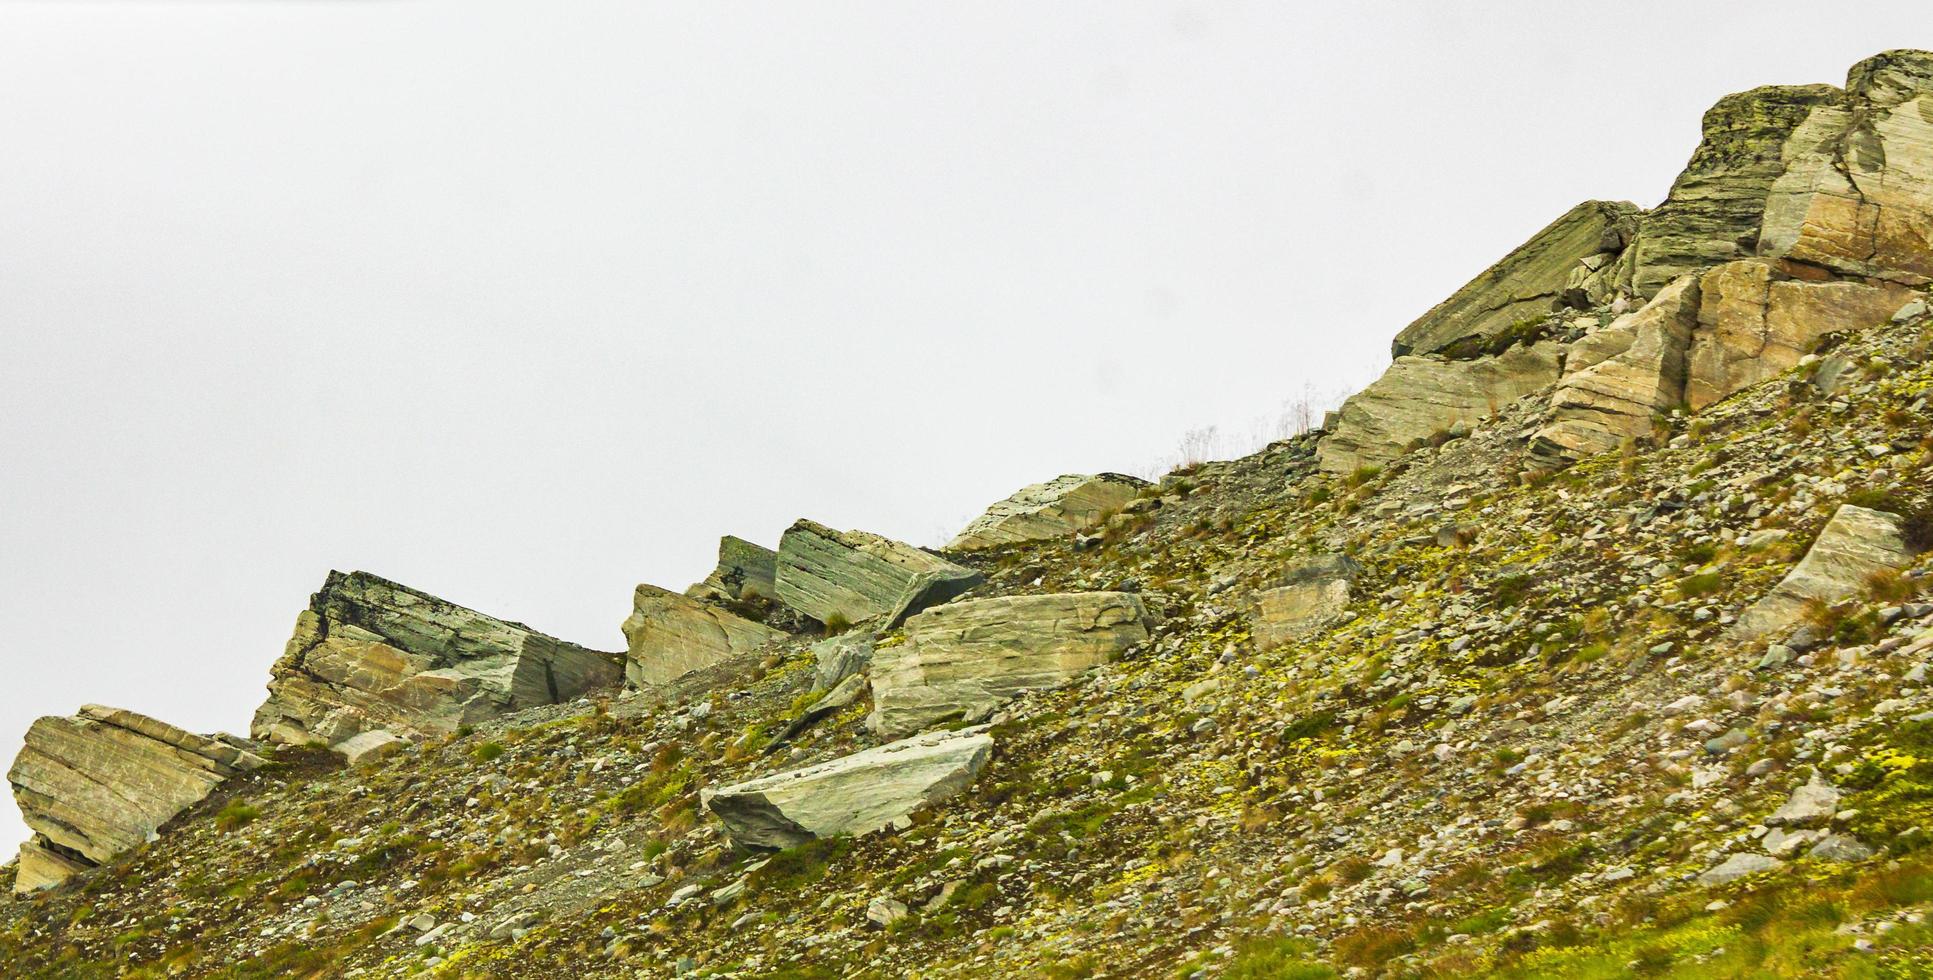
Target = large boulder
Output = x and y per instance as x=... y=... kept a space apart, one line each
x=966 y=658
x=1540 y=275
x=369 y=653
x=670 y=635
x=849 y=796
x=1856 y=543
x=1050 y=510
x=855 y=576
x=1419 y=397
x=745 y=572
x=1311 y=595
x=1618 y=378
x=102 y=782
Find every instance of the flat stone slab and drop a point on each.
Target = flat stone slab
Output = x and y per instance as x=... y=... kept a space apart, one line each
x=1856 y=543
x=853 y=795
x=965 y=659
x=1312 y=595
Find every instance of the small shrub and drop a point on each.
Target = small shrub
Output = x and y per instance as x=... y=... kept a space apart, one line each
x=487 y=752
x=236 y=815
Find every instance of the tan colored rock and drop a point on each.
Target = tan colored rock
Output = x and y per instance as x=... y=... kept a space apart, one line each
x=1856 y=196
x=1421 y=396
x=1311 y=596
x=1044 y=511
x=369 y=748
x=103 y=782
x=670 y=636
x=1753 y=324
x=1618 y=378
x=745 y=572
x=856 y=576
x=1528 y=283
x=852 y=795
x=967 y=658
x=370 y=654
x=1856 y=543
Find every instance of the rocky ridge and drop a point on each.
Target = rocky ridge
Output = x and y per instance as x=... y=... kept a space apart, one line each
x=1589 y=643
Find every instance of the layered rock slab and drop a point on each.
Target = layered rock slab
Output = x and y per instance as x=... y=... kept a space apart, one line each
x=967 y=658
x=852 y=795
x=670 y=635
x=856 y=576
x=1044 y=511
x=1855 y=544
x=369 y=653
x=1421 y=396
x=1311 y=595
x=102 y=782
x=1528 y=283
x=1754 y=324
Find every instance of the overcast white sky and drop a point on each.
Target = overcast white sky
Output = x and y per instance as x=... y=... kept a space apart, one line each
x=523 y=304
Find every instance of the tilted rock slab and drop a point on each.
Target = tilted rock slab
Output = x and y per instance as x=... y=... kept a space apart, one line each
x=101 y=783
x=1856 y=543
x=1529 y=282
x=853 y=795
x=1055 y=509
x=745 y=571
x=857 y=576
x=671 y=635
x=967 y=658
x=1312 y=595
x=370 y=654
x=1421 y=396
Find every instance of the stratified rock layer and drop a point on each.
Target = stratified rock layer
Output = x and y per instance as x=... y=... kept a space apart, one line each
x=967 y=658
x=102 y=782
x=1537 y=277
x=853 y=795
x=369 y=654
x=1618 y=378
x=1049 y=510
x=1754 y=324
x=1856 y=543
x=855 y=576
x=671 y=635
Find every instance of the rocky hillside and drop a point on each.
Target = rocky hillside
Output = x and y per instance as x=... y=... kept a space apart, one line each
x=1591 y=640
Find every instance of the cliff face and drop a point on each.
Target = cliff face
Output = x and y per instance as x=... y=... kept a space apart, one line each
x=1592 y=640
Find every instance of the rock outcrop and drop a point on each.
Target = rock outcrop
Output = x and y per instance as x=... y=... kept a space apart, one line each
x=1054 y=509
x=101 y=783
x=1310 y=597
x=965 y=659
x=745 y=572
x=1618 y=378
x=369 y=654
x=1754 y=323
x=670 y=635
x=1419 y=397
x=1856 y=543
x=850 y=796
x=1567 y=263
x=855 y=576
